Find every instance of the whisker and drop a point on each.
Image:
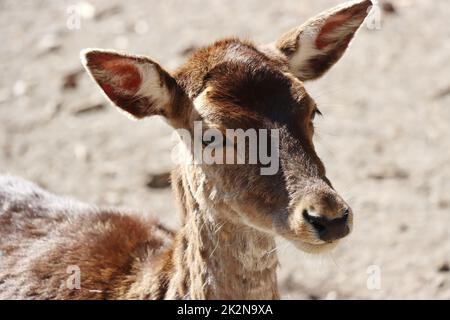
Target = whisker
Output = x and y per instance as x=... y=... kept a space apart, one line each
x=278 y=248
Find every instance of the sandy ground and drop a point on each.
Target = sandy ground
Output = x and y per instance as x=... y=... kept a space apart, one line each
x=385 y=136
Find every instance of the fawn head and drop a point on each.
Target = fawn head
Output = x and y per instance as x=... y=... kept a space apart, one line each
x=234 y=84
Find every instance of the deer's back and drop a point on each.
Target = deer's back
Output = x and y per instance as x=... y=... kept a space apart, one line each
x=48 y=243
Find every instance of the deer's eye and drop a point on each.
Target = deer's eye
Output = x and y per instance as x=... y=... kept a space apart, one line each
x=314 y=113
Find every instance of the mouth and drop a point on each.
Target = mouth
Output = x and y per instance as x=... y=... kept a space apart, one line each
x=316 y=248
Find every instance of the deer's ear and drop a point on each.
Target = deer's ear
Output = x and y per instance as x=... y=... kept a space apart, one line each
x=319 y=43
x=135 y=84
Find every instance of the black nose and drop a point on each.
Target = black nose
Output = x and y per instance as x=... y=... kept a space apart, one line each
x=329 y=230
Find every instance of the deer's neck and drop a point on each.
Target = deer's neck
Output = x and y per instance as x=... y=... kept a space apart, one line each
x=215 y=258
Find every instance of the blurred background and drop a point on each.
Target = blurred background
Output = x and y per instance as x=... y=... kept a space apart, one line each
x=384 y=137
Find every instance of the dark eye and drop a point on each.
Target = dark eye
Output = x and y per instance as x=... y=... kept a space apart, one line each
x=314 y=113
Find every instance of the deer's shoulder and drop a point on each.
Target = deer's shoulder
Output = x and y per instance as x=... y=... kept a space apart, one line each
x=46 y=239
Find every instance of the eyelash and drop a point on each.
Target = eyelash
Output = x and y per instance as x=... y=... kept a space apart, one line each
x=314 y=113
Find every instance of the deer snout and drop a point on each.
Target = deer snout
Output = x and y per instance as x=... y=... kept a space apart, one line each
x=327 y=215
x=326 y=229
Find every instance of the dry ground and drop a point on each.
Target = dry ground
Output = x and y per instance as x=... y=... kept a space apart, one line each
x=385 y=136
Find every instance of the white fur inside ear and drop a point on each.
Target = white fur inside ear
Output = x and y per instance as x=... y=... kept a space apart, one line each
x=325 y=35
x=307 y=49
x=307 y=43
x=152 y=86
x=126 y=79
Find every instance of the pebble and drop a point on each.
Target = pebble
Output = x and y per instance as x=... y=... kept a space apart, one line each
x=107 y=12
x=188 y=50
x=388 y=172
x=20 y=88
x=86 y=9
x=443 y=204
x=90 y=108
x=445 y=267
x=158 y=181
x=48 y=43
x=388 y=7
x=70 y=80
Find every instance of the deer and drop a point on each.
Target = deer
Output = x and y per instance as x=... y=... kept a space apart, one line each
x=229 y=214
